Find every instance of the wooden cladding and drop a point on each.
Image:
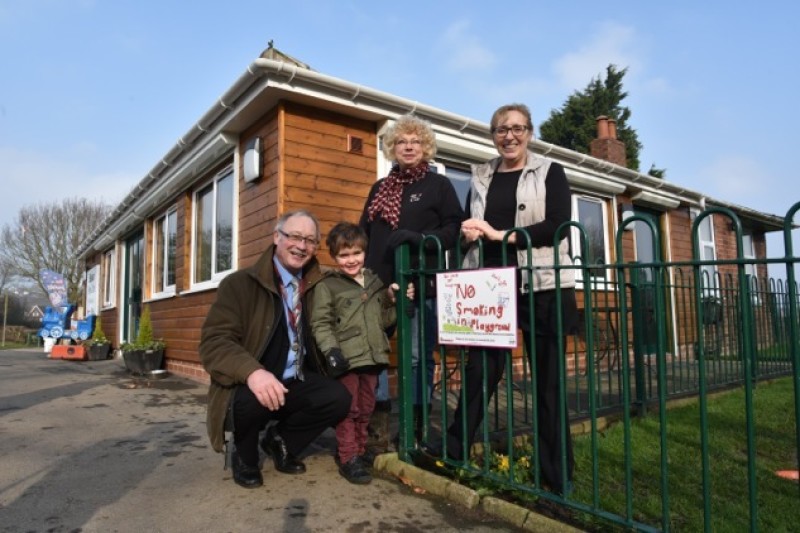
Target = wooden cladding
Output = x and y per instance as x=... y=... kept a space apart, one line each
x=313 y=159
x=308 y=164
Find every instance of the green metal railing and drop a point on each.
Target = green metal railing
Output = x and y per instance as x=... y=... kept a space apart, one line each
x=649 y=333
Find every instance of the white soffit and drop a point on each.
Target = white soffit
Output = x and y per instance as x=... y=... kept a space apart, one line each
x=464 y=147
x=593 y=183
x=655 y=200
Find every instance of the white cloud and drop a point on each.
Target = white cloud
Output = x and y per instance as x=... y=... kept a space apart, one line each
x=30 y=178
x=464 y=52
x=613 y=44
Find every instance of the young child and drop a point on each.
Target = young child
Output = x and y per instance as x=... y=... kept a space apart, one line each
x=350 y=313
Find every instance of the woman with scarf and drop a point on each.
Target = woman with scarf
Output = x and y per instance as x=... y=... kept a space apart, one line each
x=413 y=201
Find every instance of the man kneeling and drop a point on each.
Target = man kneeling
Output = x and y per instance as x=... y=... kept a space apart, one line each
x=253 y=344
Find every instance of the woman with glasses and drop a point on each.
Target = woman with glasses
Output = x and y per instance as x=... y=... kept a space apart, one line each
x=520 y=189
x=412 y=202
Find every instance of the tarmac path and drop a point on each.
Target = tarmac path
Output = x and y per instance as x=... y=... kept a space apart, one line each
x=86 y=448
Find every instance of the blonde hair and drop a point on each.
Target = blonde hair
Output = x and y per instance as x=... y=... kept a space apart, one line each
x=410 y=125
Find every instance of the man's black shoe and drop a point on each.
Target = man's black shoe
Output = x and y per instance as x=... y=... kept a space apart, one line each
x=245 y=476
x=285 y=462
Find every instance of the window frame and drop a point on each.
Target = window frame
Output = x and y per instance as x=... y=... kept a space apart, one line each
x=751 y=270
x=713 y=289
x=600 y=281
x=216 y=276
x=165 y=289
x=109 y=274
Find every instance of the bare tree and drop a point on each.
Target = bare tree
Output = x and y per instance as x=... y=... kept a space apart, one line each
x=6 y=271
x=46 y=235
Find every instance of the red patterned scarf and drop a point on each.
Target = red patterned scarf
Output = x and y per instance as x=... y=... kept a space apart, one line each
x=387 y=200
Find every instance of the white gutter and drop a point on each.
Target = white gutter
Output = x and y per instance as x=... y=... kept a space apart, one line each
x=182 y=147
x=329 y=88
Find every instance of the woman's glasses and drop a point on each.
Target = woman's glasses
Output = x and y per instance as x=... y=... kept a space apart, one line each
x=517 y=130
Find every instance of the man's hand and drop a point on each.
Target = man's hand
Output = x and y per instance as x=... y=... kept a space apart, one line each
x=267 y=388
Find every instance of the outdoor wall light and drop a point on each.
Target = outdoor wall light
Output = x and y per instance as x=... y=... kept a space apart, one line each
x=251 y=162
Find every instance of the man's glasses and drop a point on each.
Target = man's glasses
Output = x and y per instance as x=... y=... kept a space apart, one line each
x=517 y=130
x=403 y=142
x=296 y=238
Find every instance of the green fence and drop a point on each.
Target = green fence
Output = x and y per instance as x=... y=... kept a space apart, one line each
x=649 y=334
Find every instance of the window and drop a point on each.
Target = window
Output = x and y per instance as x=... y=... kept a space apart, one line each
x=109 y=278
x=165 y=235
x=461 y=179
x=213 y=229
x=591 y=214
x=708 y=252
x=749 y=253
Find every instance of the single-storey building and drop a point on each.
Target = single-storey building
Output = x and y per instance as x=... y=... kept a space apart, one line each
x=285 y=137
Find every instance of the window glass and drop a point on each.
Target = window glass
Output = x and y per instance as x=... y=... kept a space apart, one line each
x=591 y=217
x=109 y=278
x=172 y=240
x=204 y=211
x=460 y=178
x=705 y=233
x=749 y=252
x=158 y=255
x=213 y=228
x=224 y=224
x=164 y=238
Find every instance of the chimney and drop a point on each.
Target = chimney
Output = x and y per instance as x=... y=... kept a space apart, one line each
x=612 y=129
x=606 y=145
x=602 y=127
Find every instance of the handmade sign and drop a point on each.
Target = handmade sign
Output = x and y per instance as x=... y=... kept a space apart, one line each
x=477 y=307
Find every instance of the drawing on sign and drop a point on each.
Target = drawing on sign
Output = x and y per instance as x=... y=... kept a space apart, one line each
x=477 y=307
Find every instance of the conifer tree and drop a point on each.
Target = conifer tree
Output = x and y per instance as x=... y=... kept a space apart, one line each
x=575 y=124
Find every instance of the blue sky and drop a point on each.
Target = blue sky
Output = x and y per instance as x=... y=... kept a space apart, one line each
x=94 y=92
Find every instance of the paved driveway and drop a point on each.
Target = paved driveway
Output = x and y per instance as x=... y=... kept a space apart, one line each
x=83 y=447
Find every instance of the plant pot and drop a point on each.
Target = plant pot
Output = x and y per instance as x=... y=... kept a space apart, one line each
x=140 y=362
x=99 y=352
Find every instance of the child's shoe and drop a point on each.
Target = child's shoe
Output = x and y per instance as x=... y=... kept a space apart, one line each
x=354 y=471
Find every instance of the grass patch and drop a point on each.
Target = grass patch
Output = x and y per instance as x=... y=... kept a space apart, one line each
x=778 y=500
x=15 y=346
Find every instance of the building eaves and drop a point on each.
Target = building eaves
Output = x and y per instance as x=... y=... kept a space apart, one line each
x=293 y=80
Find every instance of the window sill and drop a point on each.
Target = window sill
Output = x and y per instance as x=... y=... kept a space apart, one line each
x=208 y=286
x=161 y=296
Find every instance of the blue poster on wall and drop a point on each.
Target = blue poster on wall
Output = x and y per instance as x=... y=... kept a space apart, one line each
x=56 y=287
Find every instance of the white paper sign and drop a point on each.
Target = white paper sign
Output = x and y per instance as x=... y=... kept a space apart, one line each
x=477 y=307
x=92 y=293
